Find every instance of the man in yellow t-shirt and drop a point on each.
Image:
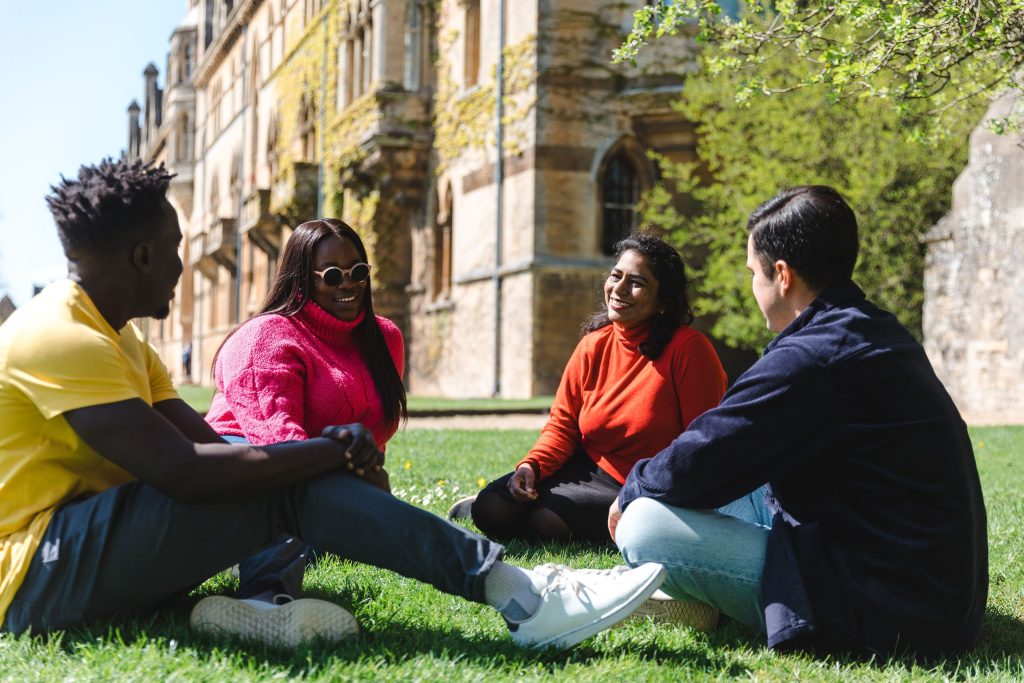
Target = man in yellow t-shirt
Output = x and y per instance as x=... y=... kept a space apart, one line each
x=115 y=495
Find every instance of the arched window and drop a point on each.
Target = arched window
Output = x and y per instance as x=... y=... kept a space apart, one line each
x=214 y=199
x=441 y=280
x=185 y=137
x=471 y=45
x=307 y=128
x=620 y=193
x=273 y=158
x=414 y=41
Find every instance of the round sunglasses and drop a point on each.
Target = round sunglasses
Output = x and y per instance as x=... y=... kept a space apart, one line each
x=334 y=275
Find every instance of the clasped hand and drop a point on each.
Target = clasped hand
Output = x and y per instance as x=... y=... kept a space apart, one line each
x=362 y=457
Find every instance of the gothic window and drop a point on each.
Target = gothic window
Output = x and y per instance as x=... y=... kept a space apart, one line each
x=307 y=128
x=273 y=159
x=185 y=138
x=188 y=58
x=214 y=199
x=471 y=45
x=620 y=193
x=367 y=58
x=441 y=280
x=214 y=113
x=414 y=41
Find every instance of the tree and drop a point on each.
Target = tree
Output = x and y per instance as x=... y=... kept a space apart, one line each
x=950 y=54
x=898 y=187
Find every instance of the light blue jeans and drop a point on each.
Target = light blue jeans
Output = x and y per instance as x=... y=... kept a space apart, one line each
x=714 y=556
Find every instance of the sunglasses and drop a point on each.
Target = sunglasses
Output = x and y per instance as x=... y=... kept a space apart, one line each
x=334 y=275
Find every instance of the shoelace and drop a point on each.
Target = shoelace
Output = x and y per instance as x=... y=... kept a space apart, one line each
x=559 y=575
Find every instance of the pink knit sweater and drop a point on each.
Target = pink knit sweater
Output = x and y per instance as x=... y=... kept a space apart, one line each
x=285 y=379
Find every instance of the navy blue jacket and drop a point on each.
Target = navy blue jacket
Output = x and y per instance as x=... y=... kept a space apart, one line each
x=878 y=542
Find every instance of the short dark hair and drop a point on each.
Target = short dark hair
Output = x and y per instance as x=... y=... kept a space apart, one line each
x=669 y=270
x=810 y=227
x=107 y=203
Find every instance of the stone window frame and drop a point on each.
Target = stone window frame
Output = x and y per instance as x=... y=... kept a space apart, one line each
x=629 y=152
x=471 y=44
x=442 y=245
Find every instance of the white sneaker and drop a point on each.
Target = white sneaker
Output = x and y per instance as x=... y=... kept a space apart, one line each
x=576 y=604
x=662 y=608
x=277 y=625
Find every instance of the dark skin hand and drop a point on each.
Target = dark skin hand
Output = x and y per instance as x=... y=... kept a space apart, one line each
x=362 y=457
x=171 y=448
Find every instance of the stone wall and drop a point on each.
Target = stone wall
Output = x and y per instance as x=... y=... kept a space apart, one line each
x=974 y=282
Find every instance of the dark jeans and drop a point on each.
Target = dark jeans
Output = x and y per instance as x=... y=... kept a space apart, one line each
x=131 y=547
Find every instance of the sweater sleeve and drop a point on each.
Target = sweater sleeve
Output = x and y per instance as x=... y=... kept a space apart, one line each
x=395 y=342
x=699 y=378
x=561 y=435
x=261 y=373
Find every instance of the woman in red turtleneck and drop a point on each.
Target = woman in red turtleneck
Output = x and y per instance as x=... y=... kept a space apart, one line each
x=635 y=381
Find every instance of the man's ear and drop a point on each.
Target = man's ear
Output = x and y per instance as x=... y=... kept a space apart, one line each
x=142 y=257
x=784 y=275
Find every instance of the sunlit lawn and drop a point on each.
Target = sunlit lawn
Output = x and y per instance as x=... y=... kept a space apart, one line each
x=413 y=632
x=199 y=398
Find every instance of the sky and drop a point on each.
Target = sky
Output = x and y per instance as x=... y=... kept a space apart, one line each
x=68 y=71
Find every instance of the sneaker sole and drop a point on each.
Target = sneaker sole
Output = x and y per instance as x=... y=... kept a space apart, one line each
x=692 y=613
x=566 y=640
x=288 y=625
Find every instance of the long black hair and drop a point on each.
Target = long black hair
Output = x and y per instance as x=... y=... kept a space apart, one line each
x=295 y=284
x=669 y=270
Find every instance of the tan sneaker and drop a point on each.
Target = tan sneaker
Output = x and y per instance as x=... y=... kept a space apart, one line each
x=280 y=626
x=664 y=609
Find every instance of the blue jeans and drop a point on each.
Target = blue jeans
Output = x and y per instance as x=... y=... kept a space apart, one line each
x=715 y=556
x=131 y=547
x=276 y=569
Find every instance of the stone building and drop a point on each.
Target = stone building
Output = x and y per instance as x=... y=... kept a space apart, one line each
x=385 y=113
x=974 y=285
x=6 y=308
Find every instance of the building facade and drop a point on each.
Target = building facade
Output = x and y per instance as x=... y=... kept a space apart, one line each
x=489 y=220
x=973 y=282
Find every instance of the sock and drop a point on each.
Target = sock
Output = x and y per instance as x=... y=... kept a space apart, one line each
x=508 y=589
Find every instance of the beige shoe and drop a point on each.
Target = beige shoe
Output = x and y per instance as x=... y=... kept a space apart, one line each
x=286 y=625
x=664 y=609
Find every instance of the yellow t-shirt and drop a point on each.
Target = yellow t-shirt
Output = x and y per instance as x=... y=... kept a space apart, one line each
x=58 y=353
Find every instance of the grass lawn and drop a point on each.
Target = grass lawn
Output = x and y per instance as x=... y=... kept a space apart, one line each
x=413 y=632
x=199 y=398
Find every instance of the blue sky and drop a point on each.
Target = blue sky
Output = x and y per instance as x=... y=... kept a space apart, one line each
x=68 y=71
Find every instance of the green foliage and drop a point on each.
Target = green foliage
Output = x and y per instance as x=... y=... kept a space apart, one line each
x=952 y=54
x=899 y=188
x=412 y=632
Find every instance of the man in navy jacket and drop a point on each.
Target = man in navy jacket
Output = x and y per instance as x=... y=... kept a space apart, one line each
x=832 y=499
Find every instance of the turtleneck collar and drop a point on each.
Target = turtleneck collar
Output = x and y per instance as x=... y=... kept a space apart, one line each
x=634 y=336
x=325 y=325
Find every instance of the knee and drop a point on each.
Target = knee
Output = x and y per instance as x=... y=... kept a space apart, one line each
x=547 y=525
x=493 y=514
x=641 y=532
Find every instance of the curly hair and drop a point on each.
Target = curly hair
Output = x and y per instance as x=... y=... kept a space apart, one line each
x=670 y=272
x=107 y=203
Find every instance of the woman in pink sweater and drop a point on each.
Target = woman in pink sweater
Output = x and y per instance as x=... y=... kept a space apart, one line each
x=315 y=355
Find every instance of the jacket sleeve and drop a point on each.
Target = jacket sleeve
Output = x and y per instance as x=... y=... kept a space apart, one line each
x=561 y=435
x=758 y=431
x=262 y=375
x=699 y=378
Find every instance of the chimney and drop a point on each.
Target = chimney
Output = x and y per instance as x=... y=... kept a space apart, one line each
x=134 y=132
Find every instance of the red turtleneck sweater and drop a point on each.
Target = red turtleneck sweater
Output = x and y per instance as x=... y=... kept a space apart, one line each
x=621 y=406
x=285 y=379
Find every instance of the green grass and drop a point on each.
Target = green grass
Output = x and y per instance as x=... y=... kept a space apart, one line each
x=478 y=405
x=195 y=395
x=413 y=632
x=199 y=398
